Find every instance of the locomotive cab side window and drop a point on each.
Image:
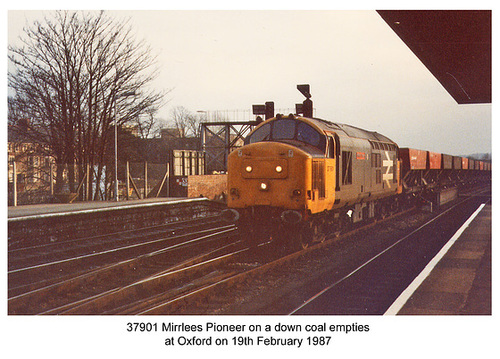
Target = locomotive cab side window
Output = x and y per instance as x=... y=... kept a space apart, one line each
x=331 y=148
x=346 y=167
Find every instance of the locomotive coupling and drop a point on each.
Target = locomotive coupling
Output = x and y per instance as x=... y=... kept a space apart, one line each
x=230 y=215
x=291 y=217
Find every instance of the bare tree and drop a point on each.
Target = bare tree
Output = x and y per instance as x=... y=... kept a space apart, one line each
x=72 y=72
x=186 y=123
x=148 y=125
x=194 y=123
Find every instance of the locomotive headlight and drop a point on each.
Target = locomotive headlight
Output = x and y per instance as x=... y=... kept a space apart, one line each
x=279 y=169
x=249 y=169
x=264 y=186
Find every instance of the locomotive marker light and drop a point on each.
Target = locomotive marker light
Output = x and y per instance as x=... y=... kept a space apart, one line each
x=249 y=169
x=279 y=169
x=298 y=109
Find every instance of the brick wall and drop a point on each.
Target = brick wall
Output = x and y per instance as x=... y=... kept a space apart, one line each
x=209 y=186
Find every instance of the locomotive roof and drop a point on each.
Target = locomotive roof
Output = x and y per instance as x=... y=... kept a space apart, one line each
x=350 y=131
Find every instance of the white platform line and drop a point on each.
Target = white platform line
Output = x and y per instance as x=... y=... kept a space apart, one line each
x=408 y=292
x=105 y=208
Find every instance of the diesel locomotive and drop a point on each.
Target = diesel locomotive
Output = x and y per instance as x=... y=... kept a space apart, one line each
x=298 y=177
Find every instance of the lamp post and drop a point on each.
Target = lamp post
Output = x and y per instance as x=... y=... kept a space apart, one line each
x=125 y=94
x=203 y=139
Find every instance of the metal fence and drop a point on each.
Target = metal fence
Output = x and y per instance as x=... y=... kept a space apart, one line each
x=34 y=182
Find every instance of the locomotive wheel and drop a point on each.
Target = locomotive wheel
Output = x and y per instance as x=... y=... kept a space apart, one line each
x=310 y=233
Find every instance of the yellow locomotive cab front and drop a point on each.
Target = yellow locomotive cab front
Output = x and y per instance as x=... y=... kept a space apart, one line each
x=282 y=175
x=279 y=179
x=267 y=174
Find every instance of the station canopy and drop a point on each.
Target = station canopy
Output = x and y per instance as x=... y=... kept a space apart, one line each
x=455 y=45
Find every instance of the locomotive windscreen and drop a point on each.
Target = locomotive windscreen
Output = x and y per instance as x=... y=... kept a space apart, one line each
x=288 y=130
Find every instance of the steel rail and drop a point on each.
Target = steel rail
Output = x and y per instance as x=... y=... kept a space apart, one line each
x=336 y=283
x=85 y=256
x=128 y=261
x=166 y=225
x=170 y=271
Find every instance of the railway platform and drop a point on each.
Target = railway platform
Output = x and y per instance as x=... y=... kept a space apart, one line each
x=61 y=209
x=460 y=282
x=53 y=222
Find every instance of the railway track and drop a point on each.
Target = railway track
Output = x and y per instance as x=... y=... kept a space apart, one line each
x=249 y=263
x=194 y=270
x=155 y=282
x=59 y=279
x=350 y=266
x=35 y=267
x=44 y=254
x=373 y=286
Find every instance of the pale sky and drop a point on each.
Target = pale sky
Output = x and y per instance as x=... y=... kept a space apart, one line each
x=359 y=71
